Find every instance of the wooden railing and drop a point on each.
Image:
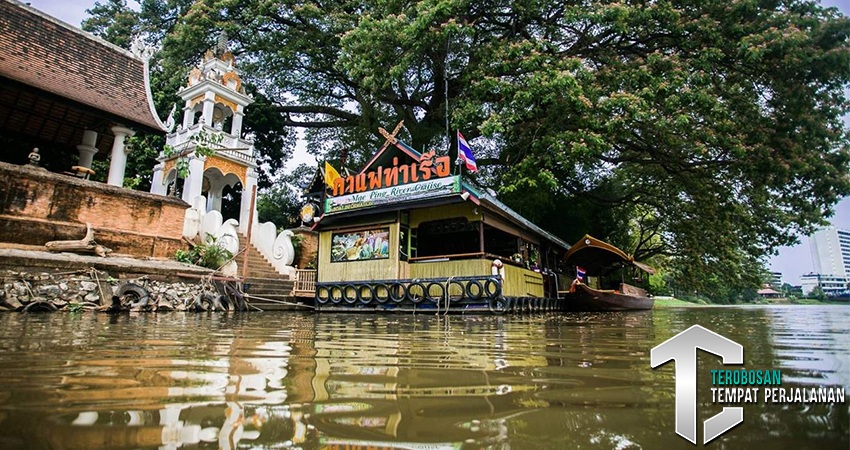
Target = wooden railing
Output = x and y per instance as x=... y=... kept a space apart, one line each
x=305 y=283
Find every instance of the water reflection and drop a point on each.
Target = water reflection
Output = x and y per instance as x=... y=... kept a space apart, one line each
x=357 y=381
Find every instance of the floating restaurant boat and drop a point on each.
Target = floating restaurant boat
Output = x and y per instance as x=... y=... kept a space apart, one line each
x=405 y=233
x=605 y=268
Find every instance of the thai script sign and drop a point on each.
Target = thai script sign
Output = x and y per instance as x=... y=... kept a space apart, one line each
x=427 y=167
x=412 y=191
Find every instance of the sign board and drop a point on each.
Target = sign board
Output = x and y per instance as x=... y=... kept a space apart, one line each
x=414 y=191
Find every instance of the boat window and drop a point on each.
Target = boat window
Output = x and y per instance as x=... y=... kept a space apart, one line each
x=500 y=243
x=448 y=237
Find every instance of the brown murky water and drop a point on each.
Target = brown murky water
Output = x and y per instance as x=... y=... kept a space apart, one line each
x=287 y=380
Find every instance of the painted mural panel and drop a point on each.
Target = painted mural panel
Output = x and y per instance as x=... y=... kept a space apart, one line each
x=361 y=245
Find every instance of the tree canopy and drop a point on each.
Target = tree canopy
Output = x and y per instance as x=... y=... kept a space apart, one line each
x=707 y=133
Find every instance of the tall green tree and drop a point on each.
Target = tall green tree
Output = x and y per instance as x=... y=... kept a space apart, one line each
x=114 y=21
x=117 y=23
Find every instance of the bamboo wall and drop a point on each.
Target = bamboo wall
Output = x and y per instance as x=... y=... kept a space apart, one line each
x=519 y=282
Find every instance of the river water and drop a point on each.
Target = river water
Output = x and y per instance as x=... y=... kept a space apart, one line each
x=298 y=380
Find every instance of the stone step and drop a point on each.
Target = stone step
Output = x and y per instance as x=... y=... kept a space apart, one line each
x=269 y=282
x=258 y=265
x=266 y=274
x=268 y=286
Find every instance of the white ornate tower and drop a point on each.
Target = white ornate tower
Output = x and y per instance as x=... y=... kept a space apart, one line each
x=214 y=106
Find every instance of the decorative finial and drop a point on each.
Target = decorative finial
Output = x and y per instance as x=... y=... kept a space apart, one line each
x=221 y=45
x=169 y=123
x=34 y=157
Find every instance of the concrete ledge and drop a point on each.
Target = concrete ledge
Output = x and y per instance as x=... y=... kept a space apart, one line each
x=118 y=267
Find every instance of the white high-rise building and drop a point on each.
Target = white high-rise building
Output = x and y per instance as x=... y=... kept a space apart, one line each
x=831 y=251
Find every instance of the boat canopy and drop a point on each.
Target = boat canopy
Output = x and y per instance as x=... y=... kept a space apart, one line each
x=598 y=257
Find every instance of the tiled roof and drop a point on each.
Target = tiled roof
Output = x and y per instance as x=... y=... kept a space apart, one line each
x=48 y=54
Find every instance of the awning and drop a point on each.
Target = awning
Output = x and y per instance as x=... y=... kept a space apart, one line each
x=598 y=257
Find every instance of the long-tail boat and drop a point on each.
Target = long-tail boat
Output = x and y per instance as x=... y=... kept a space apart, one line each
x=596 y=288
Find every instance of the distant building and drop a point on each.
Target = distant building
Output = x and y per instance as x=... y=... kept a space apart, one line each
x=832 y=285
x=767 y=292
x=775 y=279
x=831 y=251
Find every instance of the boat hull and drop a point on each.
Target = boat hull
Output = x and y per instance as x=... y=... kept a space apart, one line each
x=587 y=299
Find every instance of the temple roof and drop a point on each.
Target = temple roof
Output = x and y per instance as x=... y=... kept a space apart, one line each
x=48 y=54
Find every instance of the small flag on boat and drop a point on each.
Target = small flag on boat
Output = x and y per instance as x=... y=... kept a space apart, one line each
x=465 y=153
x=330 y=174
x=580 y=273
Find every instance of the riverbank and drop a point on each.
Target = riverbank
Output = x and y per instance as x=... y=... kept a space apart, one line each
x=672 y=302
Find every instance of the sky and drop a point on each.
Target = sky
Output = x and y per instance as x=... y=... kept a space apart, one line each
x=791 y=261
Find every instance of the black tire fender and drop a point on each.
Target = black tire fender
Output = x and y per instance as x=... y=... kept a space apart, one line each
x=479 y=290
x=222 y=303
x=137 y=295
x=435 y=298
x=333 y=297
x=376 y=289
x=352 y=299
x=204 y=302
x=40 y=306
x=361 y=298
x=413 y=297
x=323 y=300
x=397 y=291
x=493 y=288
x=498 y=305
x=460 y=287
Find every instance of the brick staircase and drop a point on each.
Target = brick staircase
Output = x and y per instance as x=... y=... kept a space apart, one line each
x=264 y=280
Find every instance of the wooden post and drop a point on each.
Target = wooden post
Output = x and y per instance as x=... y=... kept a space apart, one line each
x=481 y=236
x=248 y=237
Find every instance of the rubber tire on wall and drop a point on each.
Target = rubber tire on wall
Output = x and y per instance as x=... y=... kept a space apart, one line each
x=135 y=290
x=497 y=288
x=498 y=305
x=397 y=298
x=413 y=299
x=319 y=299
x=235 y=297
x=40 y=306
x=360 y=294
x=222 y=303
x=428 y=292
x=204 y=302
x=462 y=291
x=345 y=297
x=336 y=300
x=378 y=298
x=478 y=286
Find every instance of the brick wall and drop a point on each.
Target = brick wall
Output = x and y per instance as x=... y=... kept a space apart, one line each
x=37 y=206
x=309 y=246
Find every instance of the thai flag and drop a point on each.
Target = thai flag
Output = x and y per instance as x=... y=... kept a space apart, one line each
x=580 y=273
x=465 y=153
